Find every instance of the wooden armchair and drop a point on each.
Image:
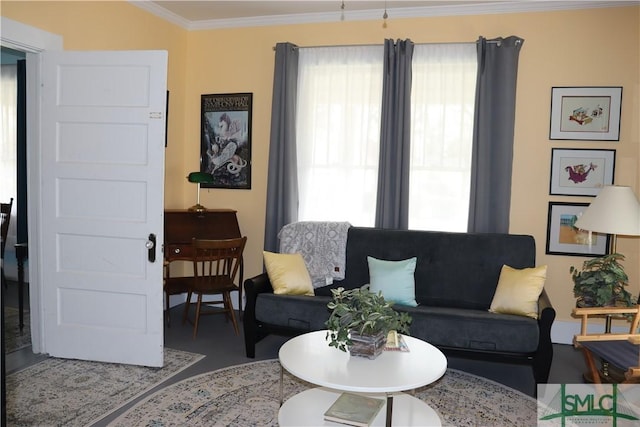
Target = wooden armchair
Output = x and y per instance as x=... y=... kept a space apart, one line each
x=619 y=349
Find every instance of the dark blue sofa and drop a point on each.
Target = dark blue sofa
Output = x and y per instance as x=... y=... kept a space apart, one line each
x=456 y=276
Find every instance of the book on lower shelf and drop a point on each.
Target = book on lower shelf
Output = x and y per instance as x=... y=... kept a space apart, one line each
x=354 y=410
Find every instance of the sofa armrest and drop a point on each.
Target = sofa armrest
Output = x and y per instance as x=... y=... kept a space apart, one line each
x=258 y=284
x=252 y=328
x=545 y=308
x=546 y=316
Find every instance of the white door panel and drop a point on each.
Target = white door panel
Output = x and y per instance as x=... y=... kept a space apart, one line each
x=99 y=144
x=103 y=132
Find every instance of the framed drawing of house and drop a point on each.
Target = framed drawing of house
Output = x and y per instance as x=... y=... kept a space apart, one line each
x=586 y=113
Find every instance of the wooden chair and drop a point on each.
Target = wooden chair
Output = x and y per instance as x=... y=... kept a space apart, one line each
x=215 y=267
x=619 y=349
x=5 y=216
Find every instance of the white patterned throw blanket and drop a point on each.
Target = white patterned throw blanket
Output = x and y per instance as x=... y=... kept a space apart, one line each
x=323 y=246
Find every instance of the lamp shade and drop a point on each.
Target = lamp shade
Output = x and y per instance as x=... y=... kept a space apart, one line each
x=615 y=210
x=200 y=177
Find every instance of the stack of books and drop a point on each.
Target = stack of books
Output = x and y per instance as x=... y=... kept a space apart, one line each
x=354 y=410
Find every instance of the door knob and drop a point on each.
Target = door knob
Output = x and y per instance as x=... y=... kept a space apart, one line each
x=151 y=247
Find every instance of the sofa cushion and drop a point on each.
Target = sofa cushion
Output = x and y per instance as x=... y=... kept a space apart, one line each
x=518 y=291
x=458 y=270
x=473 y=329
x=288 y=274
x=394 y=279
x=301 y=312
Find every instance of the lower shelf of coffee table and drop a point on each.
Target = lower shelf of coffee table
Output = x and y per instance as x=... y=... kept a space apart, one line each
x=308 y=407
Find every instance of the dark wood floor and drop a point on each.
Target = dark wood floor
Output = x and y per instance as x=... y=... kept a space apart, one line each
x=223 y=348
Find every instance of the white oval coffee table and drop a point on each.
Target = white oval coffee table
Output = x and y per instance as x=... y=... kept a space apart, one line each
x=310 y=358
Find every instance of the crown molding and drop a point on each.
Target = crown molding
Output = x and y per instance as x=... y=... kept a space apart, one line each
x=161 y=12
x=501 y=7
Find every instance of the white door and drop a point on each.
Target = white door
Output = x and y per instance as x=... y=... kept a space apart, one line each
x=102 y=187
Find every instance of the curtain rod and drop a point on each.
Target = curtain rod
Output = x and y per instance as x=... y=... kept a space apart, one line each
x=498 y=42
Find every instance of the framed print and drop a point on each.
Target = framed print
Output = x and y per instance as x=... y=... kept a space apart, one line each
x=586 y=113
x=225 y=143
x=580 y=172
x=563 y=238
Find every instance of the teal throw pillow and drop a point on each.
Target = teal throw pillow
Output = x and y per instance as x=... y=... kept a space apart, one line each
x=395 y=279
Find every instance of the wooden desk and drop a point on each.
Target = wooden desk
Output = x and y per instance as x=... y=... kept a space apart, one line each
x=180 y=226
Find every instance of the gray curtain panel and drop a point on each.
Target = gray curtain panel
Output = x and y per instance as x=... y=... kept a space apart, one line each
x=392 y=204
x=282 y=177
x=492 y=153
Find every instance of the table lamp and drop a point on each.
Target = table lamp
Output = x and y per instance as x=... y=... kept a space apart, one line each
x=614 y=211
x=199 y=178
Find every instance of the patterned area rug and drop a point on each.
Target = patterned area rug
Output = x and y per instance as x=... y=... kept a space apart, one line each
x=248 y=394
x=14 y=339
x=60 y=392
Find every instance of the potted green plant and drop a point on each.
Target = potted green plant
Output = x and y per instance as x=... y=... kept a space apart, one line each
x=601 y=283
x=360 y=320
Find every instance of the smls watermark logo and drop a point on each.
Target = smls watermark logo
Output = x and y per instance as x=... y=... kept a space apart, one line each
x=616 y=405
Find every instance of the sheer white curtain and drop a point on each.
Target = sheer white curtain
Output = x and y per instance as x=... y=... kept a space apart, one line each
x=338 y=132
x=442 y=109
x=8 y=101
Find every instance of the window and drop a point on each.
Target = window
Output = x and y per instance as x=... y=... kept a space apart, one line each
x=442 y=110
x=8 y=150
x=338 y=134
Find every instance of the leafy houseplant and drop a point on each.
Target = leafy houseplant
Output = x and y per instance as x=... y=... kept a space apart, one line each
x=361 y=312
x=601 y=283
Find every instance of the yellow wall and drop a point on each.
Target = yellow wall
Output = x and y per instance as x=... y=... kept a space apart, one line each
x=593 y=47
x=112 y=25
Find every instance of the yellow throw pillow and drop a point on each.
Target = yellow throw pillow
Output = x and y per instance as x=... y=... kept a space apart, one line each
x=288 y=274
x=518 y=291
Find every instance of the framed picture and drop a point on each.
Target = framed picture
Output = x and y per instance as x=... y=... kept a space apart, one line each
x=586 y=113
x=563 y=238
x=580 y=172
x=225 y=143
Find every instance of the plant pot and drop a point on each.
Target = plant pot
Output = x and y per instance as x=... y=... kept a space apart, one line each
x=583 y=302
x=369 y=346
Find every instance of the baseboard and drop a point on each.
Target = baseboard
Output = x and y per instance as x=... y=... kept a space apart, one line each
x=181 y=298
x=563 y=331
x=177 y=299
